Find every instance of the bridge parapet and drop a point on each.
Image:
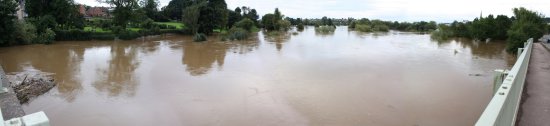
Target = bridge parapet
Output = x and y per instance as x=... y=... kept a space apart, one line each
x=503 y=107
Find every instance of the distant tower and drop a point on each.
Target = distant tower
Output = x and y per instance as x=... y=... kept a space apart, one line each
x=481 y=15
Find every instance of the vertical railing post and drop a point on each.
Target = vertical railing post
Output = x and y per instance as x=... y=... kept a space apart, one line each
x=499 y=78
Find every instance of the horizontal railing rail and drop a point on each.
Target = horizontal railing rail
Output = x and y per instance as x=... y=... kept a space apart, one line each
x=503 y=107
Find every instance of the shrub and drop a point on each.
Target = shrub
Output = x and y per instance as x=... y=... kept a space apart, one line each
x=25 y=32
x=363 y=28
x=245 y=24
x=283 y=25
x=237 y=34
x=47 y=37
x=325 y=29
x=117 y=29
x=199 y=37
x=300 y=27
x=128 y=35
x=80 y=35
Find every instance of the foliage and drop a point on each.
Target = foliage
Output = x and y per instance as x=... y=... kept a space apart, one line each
x=481 y=28
x=25 y=32
x=47 y=37
x=64 y=12
x=199 y=37
x=77 y=34
x=245 y=24
x=123 y=11
x=325 y=29
x=444 y=32
x=212 y=16
x=283 y=25
x=191 y=16
x=528 y=24
x=128 y=35
x=150 y=7
x=7 y=9
x=175 y=8
x=366 y=25
x=300 y=27
x=236 y=33
x=268 y=21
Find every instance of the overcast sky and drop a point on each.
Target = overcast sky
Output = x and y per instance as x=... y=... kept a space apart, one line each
x=395 y=10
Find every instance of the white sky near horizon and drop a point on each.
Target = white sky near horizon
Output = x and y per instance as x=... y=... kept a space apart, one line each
x=394 y=10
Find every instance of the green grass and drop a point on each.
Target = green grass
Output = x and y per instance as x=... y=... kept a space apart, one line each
x=100 y=30
x=176 y=24
x=255 y=29
x=134 y=29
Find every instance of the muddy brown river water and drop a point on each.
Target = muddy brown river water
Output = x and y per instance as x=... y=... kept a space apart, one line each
x=343 y=78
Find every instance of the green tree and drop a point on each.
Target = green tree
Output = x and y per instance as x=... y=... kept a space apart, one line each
x=268 y=21
x=234 y=16
x=7 y=20
x=65 y=12
x=191 y=16
x=213 y=15
x=124 y=11
x=246 y=24
x=174 y=9
x=151 y=8
x=501 y=26
x=528 y=24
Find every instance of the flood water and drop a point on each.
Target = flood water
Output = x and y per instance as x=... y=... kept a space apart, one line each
x=343 y=78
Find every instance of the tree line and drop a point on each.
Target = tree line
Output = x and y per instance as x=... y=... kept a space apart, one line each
x=523 y=25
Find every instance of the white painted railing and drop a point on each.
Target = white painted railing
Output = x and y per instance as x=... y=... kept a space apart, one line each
x=503 y=108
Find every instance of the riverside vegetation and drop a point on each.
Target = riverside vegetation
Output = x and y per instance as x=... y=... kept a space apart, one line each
x=523 y=25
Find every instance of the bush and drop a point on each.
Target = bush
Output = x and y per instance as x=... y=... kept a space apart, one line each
x=300 y=27
x=128 y=35
x=117 y=29
x=283 y=25
x=47 y=37
x=199 y=37
x=245 y=24
x=25 y=32
x=325 y=29
x=363 y=28
x=80 y=35
x=237 y=34
x=381 y=28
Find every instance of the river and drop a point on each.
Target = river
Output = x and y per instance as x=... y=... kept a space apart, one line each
x=306 y=78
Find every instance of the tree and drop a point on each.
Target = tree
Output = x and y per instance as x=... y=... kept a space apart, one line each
x=213 y=15
x=7 y=20
x=151 y=8
x=502 y=24
x=124 y=10
x=268 y=21
x=191 y=16
x=253 y=15
x=65 y=12
x=233 y=18
x=528 y=24
x=174 y=9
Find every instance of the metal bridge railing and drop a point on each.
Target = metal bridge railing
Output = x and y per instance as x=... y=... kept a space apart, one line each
x=503 y=108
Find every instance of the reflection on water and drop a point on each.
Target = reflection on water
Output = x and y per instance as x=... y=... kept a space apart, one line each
x=342 y=78
x=278 y=38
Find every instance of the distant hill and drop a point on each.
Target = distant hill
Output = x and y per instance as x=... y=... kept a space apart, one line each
x=547 y=19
